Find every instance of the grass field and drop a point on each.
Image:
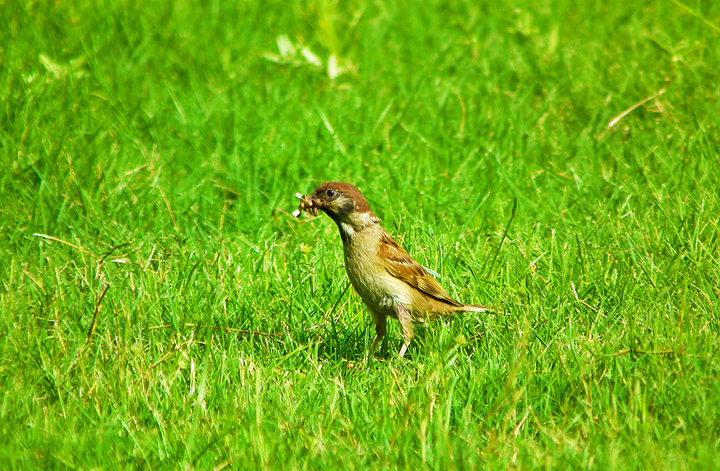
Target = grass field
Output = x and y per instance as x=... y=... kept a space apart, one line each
x=161 y=308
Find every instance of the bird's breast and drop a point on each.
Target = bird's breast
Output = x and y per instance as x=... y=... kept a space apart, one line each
x=377 y=288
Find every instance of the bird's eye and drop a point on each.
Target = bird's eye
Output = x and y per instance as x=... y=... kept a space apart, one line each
x=330 y=193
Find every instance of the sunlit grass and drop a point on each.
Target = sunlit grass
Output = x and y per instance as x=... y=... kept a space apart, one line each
x=160 y=306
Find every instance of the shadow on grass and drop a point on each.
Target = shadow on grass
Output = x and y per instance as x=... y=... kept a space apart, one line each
x=354 y=345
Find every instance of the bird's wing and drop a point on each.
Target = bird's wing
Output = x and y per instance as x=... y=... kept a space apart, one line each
x=400 y=265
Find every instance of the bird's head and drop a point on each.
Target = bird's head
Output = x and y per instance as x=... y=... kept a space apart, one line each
x=343 y=203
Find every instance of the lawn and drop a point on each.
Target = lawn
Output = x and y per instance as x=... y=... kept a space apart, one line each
x=161 y=308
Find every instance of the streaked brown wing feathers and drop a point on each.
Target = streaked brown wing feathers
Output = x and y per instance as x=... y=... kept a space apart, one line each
x=400 y=265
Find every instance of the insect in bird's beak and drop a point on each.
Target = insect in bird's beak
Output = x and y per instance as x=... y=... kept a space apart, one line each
x=306 y=204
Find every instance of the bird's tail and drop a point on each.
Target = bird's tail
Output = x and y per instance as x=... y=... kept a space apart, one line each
x=477 y=308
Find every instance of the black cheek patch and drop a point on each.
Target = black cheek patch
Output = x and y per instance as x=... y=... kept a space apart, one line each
x=346 y=206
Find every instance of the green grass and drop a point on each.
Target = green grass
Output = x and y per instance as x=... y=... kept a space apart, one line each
x=161 y=308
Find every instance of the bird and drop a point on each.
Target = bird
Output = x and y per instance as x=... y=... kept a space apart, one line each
x=389 y=281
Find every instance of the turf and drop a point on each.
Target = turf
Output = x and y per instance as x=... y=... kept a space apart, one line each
x=161 y=308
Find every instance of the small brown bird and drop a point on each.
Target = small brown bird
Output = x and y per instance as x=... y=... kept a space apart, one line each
x=387 y=279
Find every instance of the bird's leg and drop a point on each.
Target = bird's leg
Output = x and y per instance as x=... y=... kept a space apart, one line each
x=406 y=327
x=380 y=327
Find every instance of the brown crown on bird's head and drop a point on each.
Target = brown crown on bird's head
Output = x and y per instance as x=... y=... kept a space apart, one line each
x=336 y=199
x=330 y=191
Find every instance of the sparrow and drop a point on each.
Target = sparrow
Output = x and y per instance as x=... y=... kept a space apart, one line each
x=388 y=280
